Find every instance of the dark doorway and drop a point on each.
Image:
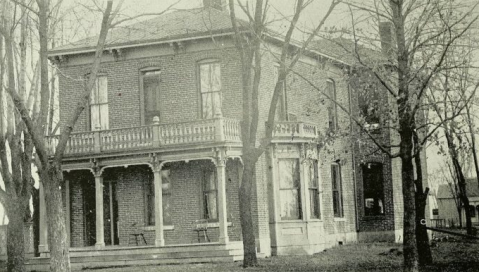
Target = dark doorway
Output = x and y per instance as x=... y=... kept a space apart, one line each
x=110 y=215
x=89 y=209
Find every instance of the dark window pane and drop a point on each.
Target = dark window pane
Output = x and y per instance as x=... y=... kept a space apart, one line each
x=337 y=190
x=210 y=210
x=373 y=187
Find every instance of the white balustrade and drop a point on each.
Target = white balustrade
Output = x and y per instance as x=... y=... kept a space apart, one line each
x=295 y=129
x=156 y=135
x=232 y=130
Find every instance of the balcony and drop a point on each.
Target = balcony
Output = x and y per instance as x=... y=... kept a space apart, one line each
x=198 y=132
x=294 y=132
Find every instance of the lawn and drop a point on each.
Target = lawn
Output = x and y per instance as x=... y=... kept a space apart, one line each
x=448 y=256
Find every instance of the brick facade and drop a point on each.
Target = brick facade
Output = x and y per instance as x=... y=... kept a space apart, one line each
x=179 y=102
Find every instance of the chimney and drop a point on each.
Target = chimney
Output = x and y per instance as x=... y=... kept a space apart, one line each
x=216 y=4
x=386 y=36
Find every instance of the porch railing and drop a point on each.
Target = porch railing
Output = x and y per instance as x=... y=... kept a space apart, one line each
x=295 y=129
x=156 y=135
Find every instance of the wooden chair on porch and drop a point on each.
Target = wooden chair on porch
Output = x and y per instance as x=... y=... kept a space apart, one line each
x=137 y=234
x=201 y=229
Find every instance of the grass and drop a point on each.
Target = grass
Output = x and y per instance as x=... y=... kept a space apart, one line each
x=448 y=256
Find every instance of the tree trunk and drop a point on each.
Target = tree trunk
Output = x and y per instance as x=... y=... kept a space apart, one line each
x=461 y=180
x=411 y=257
x=36 y=220
x=247 y=228
x=15 y=238
x=422 y=239
x=52 y=180
x=423 y=248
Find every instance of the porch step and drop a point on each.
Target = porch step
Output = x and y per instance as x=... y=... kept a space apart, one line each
x=144 y=256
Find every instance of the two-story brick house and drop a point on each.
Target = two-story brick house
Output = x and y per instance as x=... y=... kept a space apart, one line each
x=158 y=151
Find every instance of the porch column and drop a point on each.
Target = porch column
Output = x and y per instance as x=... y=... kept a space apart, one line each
x=43 y=239
x=100 y=236
x=159 y=239
x=222 y=212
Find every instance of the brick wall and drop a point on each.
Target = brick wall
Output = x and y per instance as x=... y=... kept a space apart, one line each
x=179 y=94
x=179 y=98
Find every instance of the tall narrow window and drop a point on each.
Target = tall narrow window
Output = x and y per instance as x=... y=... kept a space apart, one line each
x=332 y=108
x=290 y=189
x=337 y=190
x=210 y=193
x=311 y=175
x=210 y=88
x=281 y=112
x=369 y=103
x=373 y=185
x=99 y=118
x=151 y=94
x=166 y=204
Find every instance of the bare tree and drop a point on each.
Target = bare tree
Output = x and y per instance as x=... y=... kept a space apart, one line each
x=249 y=41
x=419 y=34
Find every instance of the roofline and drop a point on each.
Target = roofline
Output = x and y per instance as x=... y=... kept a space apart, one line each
x=297 y=44
x=157 y=42
x=130 y=45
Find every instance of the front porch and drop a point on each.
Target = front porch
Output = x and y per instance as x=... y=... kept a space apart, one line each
x=163 y=202
x=90 y=257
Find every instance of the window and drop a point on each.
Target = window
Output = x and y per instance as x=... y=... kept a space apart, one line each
x=311 y=175
x=337 y=190
x=151 y=92
x=166 y=203
x=435 y=211
x=99 y=119
x=472 y=211
x=332 y=108
x=373 y=186
x=210 y=193
x=281 y=112
x=368 y=100
x=289 y=186
x=210 y=89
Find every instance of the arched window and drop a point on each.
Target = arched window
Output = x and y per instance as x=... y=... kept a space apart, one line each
x=210 y=88
x=281 y=108
x=150 y=84
x=99 y=113
x=332 y=108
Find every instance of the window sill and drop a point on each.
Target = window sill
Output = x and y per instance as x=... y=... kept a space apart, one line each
x=339 y=219
x=152 y=228
x=217 y=224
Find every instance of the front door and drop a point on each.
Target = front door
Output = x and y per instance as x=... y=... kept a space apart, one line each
x=89 y=219
x=110 y=214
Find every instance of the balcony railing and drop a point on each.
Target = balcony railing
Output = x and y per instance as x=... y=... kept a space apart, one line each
x=292 y=130
x=148 y=137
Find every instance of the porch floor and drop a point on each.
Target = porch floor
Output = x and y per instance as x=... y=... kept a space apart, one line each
x=89 y=257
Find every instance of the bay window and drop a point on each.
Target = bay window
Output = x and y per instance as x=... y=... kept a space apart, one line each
x=290 y=189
